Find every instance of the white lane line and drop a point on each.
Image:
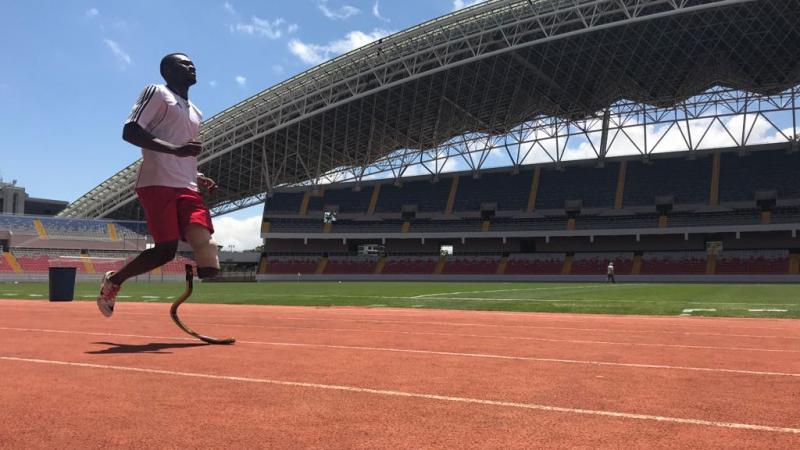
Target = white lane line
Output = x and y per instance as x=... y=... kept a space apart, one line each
x=766 y=310
x=443 y=353
x=512 y=338
x=445 y=398
x=526 y=358
x=527 y=327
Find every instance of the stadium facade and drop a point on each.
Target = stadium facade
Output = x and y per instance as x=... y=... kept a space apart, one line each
x=548 y=132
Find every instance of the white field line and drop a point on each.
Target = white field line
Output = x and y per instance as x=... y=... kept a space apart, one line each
x=454 y=354
x=511 y=290
x=445 y=398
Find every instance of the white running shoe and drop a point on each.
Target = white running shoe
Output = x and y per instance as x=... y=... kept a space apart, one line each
x=108 y=295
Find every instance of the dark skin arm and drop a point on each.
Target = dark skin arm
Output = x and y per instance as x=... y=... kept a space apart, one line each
x=138 y=136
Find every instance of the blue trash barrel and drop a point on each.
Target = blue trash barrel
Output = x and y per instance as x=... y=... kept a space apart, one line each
x=62 y=283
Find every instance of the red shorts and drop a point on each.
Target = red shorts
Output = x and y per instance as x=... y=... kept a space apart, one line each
x=170 y=210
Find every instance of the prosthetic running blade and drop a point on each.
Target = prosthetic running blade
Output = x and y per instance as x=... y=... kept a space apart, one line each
x=173 y=312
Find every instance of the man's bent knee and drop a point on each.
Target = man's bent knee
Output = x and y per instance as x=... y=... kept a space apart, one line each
x=165 y=252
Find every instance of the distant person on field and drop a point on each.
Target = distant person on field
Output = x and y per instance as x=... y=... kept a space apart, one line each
x=610 y=272
x=165 y=124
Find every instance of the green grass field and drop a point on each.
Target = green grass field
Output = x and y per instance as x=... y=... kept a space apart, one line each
x=734 y=300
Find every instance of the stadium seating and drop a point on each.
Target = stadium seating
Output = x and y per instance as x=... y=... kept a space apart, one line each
x=471 y=265
x=4 y=266
x=674 y=263
x=296 y=225
x=535 y=264
x=509 y=191
x=372 y=226
x=597 y=263
x=696 y=219
x=131 y=230
x=741 y=176
x=75 y=228
x=786 y=215
x=348 y=200
x=291 y=265
x=522 y=224
x=17 y=224
x=753 y=262
x=595 y=186
x=429 y=197
x=686 y=180
x=584 y=222
x=410 y=265
x=351 y=265
x=284 y=203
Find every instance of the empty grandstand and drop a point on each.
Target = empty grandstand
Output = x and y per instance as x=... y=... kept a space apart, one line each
x=533 y=138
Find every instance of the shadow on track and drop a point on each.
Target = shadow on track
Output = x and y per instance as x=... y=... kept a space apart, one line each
x=144 y=348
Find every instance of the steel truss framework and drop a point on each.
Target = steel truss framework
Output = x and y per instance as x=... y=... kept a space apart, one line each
x=531 y=79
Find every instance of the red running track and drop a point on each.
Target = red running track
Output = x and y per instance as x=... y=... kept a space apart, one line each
x=330 y=378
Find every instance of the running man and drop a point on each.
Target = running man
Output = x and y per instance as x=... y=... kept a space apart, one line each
x=165 y=124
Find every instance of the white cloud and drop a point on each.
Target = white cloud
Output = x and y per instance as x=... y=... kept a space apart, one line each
x=212 y=83
x=458 y=4
x=242 y=234
x=264 y=28
x=377 y=13
x=277 y=68
x=93 y=12
x=241 y=80
x=228 y=7
x=341 y=13
x=316 y=53
x=123 y=58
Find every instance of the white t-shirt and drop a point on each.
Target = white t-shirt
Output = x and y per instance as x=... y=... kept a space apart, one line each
x=169 y=117
x=611 y=269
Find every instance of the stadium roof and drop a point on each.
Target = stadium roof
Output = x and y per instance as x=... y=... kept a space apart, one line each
x=484 y=69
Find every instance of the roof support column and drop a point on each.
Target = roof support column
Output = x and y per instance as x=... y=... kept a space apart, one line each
x=604 y=135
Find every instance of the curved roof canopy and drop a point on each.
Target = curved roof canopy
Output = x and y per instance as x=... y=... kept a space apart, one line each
x=487 y=69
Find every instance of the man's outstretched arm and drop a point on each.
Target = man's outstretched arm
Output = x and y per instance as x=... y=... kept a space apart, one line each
x=133 y=133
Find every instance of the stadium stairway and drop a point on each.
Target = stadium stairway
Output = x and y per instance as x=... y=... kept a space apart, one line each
x=794 y=264
x=440 y=265
x=40 y=229
x=112 y=232
x=711 y=264
x=451 y=200
x=379 y=265
x=12 y=261
x=87 y=263
x=373 y=200
x=620 y=192
x=323 y=263
x=501 y=266
x=637 y=265
x=566 y=269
